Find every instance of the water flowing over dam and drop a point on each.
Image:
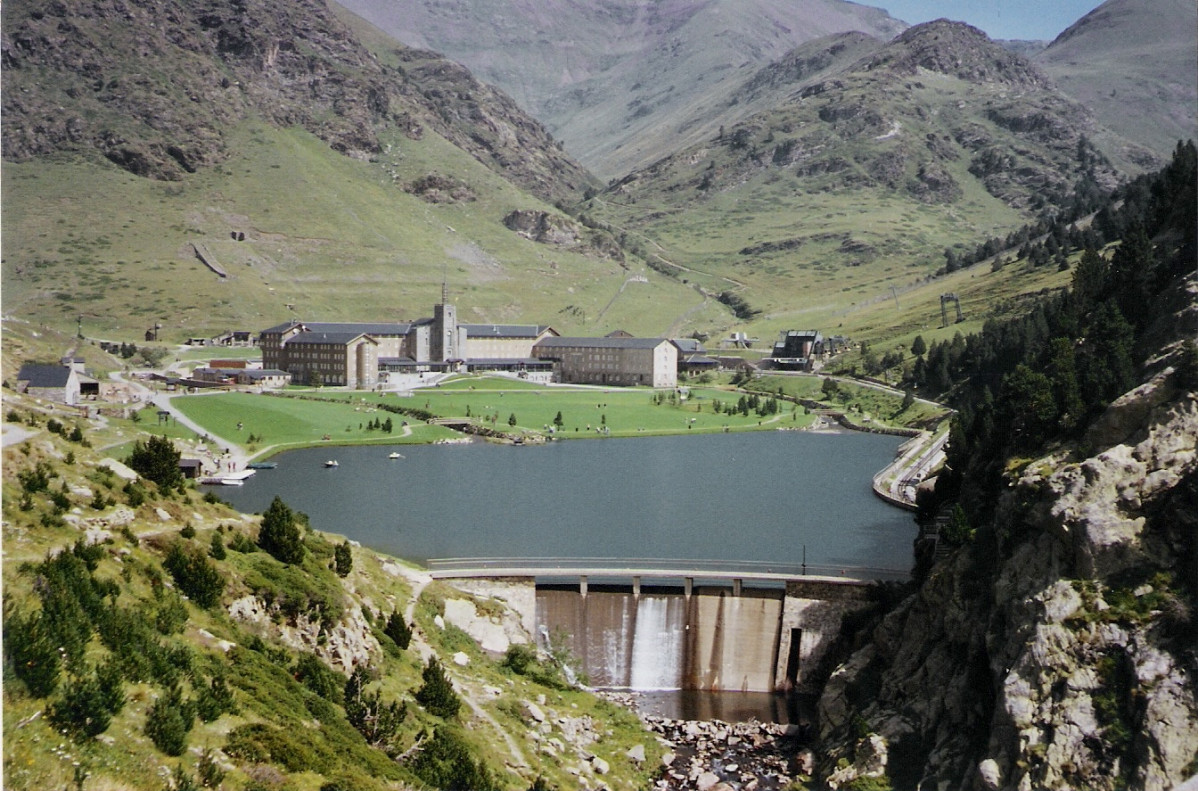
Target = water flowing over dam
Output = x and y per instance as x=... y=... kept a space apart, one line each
x=761 y=640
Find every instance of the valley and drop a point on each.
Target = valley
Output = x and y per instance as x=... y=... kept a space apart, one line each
x=995 y=240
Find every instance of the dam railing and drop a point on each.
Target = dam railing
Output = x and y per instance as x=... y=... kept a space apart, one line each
x=658 y=568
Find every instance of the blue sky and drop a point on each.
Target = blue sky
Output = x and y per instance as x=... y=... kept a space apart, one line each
x=1018 y=19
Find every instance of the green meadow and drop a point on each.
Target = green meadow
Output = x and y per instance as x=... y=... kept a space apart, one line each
x=307 y=417
x=279 y=422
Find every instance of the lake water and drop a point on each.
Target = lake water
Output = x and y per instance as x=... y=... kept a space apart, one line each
x=760 y=496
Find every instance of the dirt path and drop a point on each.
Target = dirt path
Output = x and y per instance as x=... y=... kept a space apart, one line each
x=419 y=581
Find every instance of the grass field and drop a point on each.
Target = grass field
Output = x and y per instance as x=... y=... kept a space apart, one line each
x=291 y=422
x=306 y=418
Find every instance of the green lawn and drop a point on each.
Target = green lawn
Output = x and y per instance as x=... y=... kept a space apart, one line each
x=274 y=421
x=623 y=411
x=343 y=417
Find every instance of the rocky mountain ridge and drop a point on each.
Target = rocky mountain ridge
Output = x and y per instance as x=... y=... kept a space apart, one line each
x=620 y=81
x=70 y=84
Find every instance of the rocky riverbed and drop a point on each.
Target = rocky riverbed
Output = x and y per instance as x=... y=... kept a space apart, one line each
x=721 y=756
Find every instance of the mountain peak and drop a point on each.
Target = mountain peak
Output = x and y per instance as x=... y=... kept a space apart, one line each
x=957 y=50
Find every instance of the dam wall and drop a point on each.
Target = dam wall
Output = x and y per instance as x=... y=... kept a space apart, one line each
x=715 y=639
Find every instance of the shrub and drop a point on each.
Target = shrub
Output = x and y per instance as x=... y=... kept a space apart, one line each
x=375 y=720
x=320 y=678
x=446 y=762
x=216 y=548
x=32 y=654
x=343 y=559
x=88 y=703
x=215 y=699
x=436 y=693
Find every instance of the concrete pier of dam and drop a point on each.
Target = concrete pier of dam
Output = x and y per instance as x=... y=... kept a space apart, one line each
x=696 y=630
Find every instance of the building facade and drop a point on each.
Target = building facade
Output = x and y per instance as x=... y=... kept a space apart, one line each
x=798 y=350
x=652 y=362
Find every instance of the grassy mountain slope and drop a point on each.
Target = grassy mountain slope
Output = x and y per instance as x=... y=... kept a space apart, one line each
x=860 y=176
x=252 y=679
x=358 y=180
x=1135 y=63
x=618 y=82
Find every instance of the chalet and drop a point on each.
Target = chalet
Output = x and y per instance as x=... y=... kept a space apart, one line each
x=798 y=350
x=54 y=382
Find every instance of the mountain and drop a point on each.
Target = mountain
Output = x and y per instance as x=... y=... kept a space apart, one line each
x=155 y=87
x=616 y=81
x=324 y=168
x=867 y=161
x=1135 y=64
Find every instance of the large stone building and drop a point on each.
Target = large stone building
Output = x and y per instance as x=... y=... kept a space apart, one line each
x=54 y=382
x=612 y=360
x=361 y=355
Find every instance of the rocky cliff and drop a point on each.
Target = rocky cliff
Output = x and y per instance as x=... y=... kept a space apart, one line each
x=1060 y=648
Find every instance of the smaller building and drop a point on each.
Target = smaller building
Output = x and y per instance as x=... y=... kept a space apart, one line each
x=798 y=350
x=54 y=382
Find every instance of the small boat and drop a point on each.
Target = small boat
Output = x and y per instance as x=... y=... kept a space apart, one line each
x=331 y=463
x=262 y=465
x=394 y=455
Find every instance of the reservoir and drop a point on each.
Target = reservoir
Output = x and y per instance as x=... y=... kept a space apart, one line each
x=776 y=497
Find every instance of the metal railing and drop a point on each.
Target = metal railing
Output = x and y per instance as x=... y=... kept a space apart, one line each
x=658 y=567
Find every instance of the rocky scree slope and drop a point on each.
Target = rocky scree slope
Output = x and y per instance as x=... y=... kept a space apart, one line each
x=155 y=86
x=1058 y=649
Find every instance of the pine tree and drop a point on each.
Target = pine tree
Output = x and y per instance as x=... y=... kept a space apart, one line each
x=436 y=694
x=280 y=534
x=156 y=460
x=343 y=559
x=398 y=630
x=168 y=722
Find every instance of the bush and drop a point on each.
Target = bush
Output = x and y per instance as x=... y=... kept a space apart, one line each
x=343 y=559
x=216 y=548
x=215 y=699
x=89 y=703
x=436 y=693
x=376 y=721
x=33 y=656
x=320 y=678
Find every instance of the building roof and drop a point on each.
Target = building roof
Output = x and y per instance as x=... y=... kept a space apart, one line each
x=261 y=373
x=343 y=327
x=41 y=375
x=504 y=330
x=326 y=338
x=700 y=359
x=602 y=343
x=687 y=345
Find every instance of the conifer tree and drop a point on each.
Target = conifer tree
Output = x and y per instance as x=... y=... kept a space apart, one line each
x=280 y=534
x=436 y=694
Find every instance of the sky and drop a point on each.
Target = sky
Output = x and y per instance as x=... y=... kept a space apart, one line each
x=999 y=19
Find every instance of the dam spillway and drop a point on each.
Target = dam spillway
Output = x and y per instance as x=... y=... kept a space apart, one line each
x=712 y=639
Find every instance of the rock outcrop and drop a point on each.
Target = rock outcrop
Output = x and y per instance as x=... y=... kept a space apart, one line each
x=1058 y=650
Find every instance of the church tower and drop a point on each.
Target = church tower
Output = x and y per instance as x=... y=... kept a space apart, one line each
x=445 y=328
